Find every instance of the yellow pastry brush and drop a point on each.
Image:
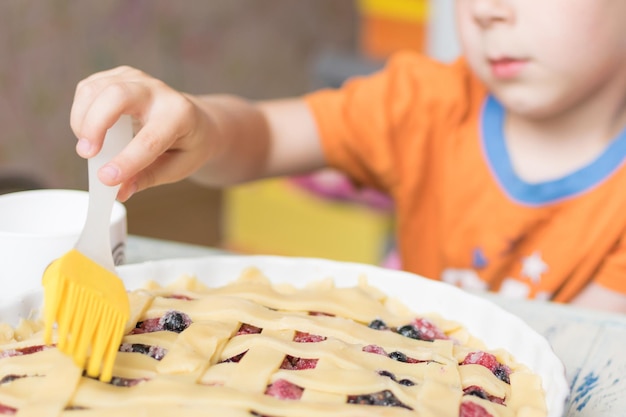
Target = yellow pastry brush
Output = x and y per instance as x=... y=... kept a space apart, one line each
x=82 y=292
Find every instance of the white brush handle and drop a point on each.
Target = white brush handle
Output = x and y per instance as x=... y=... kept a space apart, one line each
x=95 y=239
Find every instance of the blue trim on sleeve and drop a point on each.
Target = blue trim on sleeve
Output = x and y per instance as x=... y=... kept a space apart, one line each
x=579 y=181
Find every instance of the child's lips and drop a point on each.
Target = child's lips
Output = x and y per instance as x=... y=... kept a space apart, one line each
x=507 y=68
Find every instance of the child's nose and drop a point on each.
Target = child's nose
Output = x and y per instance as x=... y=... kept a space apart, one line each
x=488 y=12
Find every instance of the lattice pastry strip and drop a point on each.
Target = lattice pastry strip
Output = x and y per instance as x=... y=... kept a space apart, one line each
x=260 y=362
x=313 y=395
x=47 y=395
x=253 y=349
x=196 y=348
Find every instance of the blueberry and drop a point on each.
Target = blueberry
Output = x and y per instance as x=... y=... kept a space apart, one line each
x=175 y=321
x=398 y=356
x=378 y=324
x=125 y=382
x=140 y=348
x=387 y=374
x=502 y=374
x=361 y=399
x=390 y=400
x=406 y=382
x=383 y=398
x=10 y=377
x=409 y=331
x=476 y=392
x=120 y=382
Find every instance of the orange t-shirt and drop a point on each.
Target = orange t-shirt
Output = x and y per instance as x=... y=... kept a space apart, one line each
x=431 y=136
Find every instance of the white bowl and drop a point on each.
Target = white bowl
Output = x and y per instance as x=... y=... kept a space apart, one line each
x=39 y=226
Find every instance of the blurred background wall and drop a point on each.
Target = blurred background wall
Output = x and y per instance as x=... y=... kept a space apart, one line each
x=260 y=49
x=256 y=48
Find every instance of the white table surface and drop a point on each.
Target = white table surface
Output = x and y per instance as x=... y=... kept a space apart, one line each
x=591 y=344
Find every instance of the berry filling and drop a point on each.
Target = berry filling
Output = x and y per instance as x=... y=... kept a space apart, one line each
x=383 y=398
x=126 y=382
x=374 y=349
x=295 y=364
x=172 y=321
x=405 y=382
x=303 y=337
x=395 y=355
x=23 y=351
x=248 y=329
x=490 y=362
x=235 y=358
x=378 y=324
x=401 y=357
x=422 y=329
x=179 y=297
x=9 y=378
x=419 y=329
x=471 y=409
x=284 y=390
x=155 y=352
x=319 y=313
x=6 y=410
x=481 y=393
x=146 y=326
x=244 y=329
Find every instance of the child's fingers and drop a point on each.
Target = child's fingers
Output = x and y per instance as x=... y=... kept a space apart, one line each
x=167 y=168
x=127 y=190
x=102 y=98
x=165 y=116
x=113 y=101
x=179 y=155
x=147 y=145
x=87 y=91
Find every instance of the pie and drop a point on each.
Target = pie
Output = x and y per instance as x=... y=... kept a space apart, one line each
x=254 y=348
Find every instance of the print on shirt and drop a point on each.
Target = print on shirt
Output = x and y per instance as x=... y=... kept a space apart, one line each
x=479 y=260
x=534 y=267
x=514 y=288
x=465 y=278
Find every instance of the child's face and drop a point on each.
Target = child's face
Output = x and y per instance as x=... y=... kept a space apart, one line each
x=542 y=57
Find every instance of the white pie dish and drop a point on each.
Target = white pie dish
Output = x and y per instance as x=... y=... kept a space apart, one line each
x=485 y=320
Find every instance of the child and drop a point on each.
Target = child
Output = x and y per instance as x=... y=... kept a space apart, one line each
x=506 y=167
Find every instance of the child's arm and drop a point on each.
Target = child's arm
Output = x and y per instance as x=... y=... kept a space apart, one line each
x=598 y=297
x=218 y=140
x=267 y=139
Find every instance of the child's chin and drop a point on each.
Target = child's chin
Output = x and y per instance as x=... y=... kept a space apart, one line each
x=529 y=102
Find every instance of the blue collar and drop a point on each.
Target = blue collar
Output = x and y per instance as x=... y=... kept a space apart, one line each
x=535 y=194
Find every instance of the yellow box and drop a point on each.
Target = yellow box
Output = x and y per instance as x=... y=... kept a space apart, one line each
x=415 y=10
x=277 y=217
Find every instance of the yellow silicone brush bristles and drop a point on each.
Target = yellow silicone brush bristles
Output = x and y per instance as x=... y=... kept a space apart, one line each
x=90 y=306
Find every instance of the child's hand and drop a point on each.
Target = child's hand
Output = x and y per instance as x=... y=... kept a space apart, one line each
x=173 y=135
x=220 y=139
